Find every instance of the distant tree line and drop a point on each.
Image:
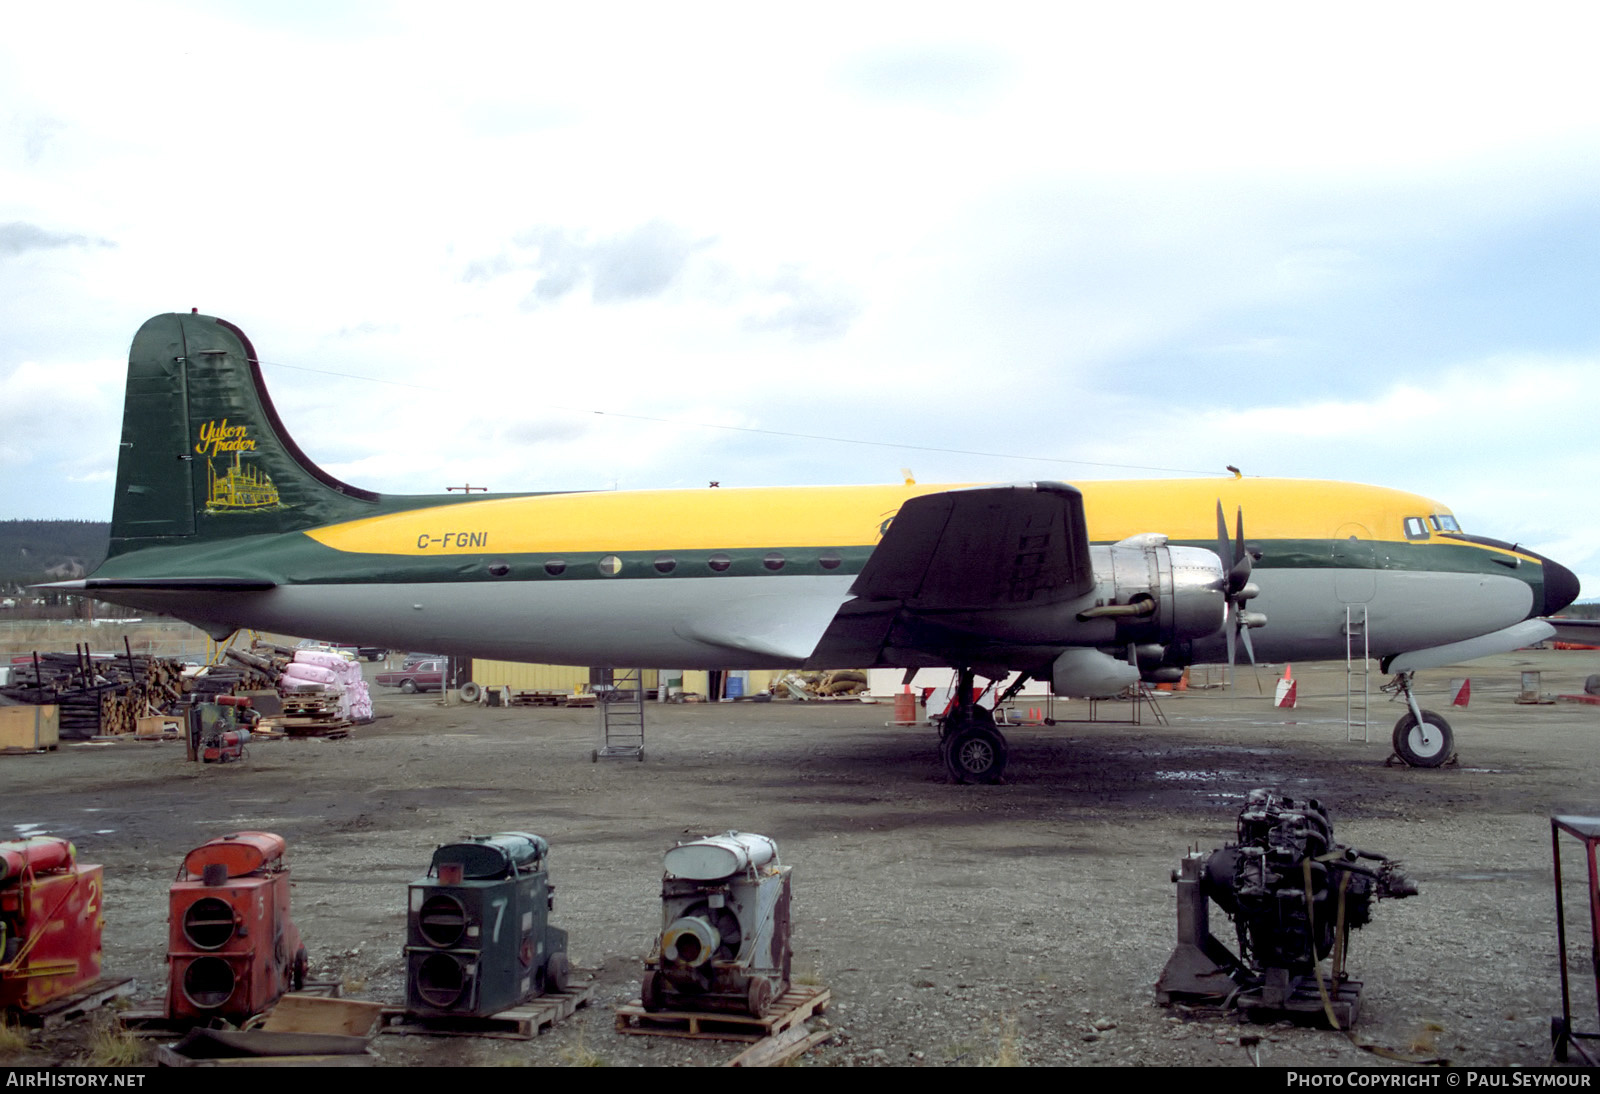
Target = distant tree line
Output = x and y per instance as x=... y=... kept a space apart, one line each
x=37 y=551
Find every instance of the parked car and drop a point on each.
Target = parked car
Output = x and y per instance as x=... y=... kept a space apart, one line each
x=355 y=653
x=422 y=676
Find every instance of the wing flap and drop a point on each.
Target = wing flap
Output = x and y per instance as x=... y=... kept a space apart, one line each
x=990 y=547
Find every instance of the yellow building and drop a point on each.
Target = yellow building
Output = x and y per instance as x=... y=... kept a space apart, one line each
x=520 y=676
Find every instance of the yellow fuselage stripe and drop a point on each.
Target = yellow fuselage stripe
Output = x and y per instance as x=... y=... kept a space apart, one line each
x=841 y=516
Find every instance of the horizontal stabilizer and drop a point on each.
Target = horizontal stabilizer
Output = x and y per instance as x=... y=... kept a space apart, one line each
x=176 y=584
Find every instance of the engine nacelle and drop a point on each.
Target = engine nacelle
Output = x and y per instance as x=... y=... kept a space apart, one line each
x=1090 y=674
x=1145 y=592
x=1179 y=591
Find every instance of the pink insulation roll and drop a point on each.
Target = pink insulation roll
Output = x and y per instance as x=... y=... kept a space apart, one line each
x=315 y=674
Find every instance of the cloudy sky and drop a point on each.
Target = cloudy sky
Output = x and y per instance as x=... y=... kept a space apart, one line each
x=542 y=246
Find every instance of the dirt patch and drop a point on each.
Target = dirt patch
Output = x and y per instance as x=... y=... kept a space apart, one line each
x=954 y=924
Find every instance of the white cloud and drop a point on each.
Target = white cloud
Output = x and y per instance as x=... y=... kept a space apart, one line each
x=1154 y=237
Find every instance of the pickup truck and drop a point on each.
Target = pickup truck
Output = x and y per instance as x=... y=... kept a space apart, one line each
x=422 y=676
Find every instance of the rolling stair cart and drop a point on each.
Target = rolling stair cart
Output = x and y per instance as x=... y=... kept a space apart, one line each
x=620 y=703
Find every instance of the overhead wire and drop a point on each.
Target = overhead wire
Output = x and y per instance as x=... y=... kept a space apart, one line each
x=767 y=432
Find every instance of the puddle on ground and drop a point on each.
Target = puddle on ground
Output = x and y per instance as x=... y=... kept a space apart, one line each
x=1196 y=776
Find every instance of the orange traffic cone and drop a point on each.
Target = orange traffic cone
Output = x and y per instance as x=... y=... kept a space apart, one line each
x=1287 y=689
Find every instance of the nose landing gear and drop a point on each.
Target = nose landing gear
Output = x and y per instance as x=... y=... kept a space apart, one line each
x=1421 y=737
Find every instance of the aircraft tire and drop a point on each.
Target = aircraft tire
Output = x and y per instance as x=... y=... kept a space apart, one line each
x=1420 y=748
x=975 y=754
x=982 y=718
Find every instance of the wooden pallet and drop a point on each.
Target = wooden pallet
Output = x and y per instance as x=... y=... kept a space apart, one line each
x=62 y=1011
x=539 y=698
x=790 y=1009
x=521 y=1023
x=169 y=1056
x=305 y=726
x=779 y=1049
x=153 y=1022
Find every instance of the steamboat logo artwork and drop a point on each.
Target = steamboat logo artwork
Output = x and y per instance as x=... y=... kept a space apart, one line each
x=232 y=484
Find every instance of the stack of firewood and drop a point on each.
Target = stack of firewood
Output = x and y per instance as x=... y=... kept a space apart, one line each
x=98 y=694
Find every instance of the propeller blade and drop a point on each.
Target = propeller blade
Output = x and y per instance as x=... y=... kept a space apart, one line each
x=1239 y=575
x=1241 y=563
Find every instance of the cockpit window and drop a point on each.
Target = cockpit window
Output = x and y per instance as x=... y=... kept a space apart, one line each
x=1444 y=522
x=1416 y=528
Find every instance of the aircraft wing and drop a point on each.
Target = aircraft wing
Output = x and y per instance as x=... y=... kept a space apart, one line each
x=951 y=563
x=989 y=547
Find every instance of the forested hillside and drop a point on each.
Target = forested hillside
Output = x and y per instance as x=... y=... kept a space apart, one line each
x=49 y=550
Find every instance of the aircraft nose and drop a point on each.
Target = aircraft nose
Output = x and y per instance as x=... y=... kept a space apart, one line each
x=1560 y=586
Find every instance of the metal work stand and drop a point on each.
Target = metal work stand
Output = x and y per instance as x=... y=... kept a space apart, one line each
x=1563 y=1034
x=621 y=707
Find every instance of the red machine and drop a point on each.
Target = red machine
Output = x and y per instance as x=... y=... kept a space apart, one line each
x=231 y=947
x=217 y=730
x=50 y=922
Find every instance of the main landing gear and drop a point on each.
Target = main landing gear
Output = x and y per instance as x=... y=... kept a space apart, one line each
x=973 y=749
x=1421 y=737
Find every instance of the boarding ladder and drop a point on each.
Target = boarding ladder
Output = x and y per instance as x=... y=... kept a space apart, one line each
x=620 y=702
x=1357 y=685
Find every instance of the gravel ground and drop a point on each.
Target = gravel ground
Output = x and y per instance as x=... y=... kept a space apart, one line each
x=1022 y=923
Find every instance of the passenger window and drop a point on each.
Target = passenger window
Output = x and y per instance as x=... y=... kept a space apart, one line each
x=719 y=562
x=830 y=560
x=1416 y=528
x=773 y=561
x=666 y=564
x=610 y=566
x=555 y=566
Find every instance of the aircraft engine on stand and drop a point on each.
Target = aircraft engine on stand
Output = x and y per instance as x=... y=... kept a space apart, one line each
x=1294 y=896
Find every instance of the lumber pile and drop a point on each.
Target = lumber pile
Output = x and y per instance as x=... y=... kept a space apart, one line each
x=99 y=694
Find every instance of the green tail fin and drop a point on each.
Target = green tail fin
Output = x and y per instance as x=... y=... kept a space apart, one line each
x=204 y=454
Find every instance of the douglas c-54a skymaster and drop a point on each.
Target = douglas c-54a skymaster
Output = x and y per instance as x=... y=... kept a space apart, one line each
x=222 y=520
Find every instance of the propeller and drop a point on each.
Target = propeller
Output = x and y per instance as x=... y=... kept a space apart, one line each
x=1237 y=586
